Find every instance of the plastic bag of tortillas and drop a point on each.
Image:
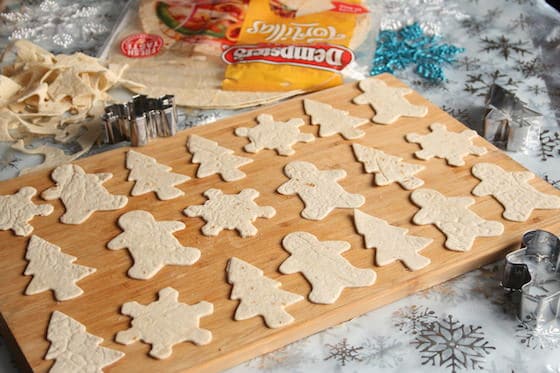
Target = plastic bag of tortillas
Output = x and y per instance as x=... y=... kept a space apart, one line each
x=229 y=54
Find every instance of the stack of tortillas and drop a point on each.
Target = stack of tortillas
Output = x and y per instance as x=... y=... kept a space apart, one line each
x=195 y=79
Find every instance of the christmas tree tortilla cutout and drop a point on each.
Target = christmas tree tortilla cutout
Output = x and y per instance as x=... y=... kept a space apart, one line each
x=151 y=176
x=259 y=295
x=453 y=217
x=215 y=159
x=74 y=349
x=275 y=135
x=151 y=244
x=81 y=193
x=16 y=210
x=323 y=266
x=388 y=102
x=512 y=190
x=53 y=270
x=441 y=143
x=165 y=323
x=230 y=211
x=388 y=168
x=318 y=189
x=333 y=121
x=391 y=243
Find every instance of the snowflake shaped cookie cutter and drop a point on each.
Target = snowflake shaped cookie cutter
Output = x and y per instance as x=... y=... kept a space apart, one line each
x=532 y=274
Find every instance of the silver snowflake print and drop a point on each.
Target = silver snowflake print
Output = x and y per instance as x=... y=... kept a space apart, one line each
x=474 y=26
x=549 y=144
x=554 y=182
x=451 y=344
x=290 y=358
x=536 y=89
x=383 y=352
x=522 y=22
x=479 y=84
x=504 y=46
x=521 y=2
x=532 y=68
x=10 y=160
x=344 y=352
x=469 y=63
x=462 y=115
x=61 y=26
x=413 y=319
x=430 y=85
x=545 y=337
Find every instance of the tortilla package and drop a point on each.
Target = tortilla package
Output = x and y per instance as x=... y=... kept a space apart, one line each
x=179 y=46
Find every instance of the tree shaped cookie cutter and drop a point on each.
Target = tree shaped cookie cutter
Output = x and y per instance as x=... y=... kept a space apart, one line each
x=532 y=274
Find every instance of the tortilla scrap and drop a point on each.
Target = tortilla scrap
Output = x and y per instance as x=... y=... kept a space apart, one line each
x=42 y=94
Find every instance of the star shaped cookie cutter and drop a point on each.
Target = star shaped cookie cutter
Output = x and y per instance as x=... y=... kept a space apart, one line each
x=140 y=120
x=532 y=274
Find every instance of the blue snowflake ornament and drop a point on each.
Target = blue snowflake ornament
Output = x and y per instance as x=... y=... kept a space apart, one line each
x=409 y=45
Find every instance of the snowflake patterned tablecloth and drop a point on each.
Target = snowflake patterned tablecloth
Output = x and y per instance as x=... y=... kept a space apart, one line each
x=466 y=324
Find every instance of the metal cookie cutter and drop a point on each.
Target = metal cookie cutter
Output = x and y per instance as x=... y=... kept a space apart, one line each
x=508 y=121
x=140 y=120
x=533 y=274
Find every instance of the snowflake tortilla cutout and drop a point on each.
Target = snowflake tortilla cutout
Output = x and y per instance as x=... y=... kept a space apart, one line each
x=274 y=135
x=441 y=143
x=230 y=211
x=17 y=210
x=451 y=344
x=165 y=322
x=344 y=352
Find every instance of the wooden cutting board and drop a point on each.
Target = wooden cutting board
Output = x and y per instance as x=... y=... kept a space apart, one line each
x=25 y=318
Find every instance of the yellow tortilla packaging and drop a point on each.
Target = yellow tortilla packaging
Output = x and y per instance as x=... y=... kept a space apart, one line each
x=226 y=54
x=293 y=44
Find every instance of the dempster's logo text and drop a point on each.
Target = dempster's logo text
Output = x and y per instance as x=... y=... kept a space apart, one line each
x=295 y=32
x=322 y=56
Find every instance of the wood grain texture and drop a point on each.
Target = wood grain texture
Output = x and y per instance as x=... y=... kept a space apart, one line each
x=26 y=317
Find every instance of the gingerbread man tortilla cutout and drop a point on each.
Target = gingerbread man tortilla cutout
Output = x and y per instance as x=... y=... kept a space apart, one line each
x=391 y=243
x=16 y=210
x=440 y=143
x=512 y=190
x=81 y=193
x=454 y=218
x=259 y=295
x=53 y=270
x=230 y=211
x=165 y=323
x=151 y=244
x=388 y=168
x=318 y=189
x=323 y=265
x=271 y=134
x=388 y=102
x=151 y=176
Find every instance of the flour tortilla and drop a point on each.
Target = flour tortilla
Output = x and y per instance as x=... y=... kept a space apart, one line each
x=194 y=79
